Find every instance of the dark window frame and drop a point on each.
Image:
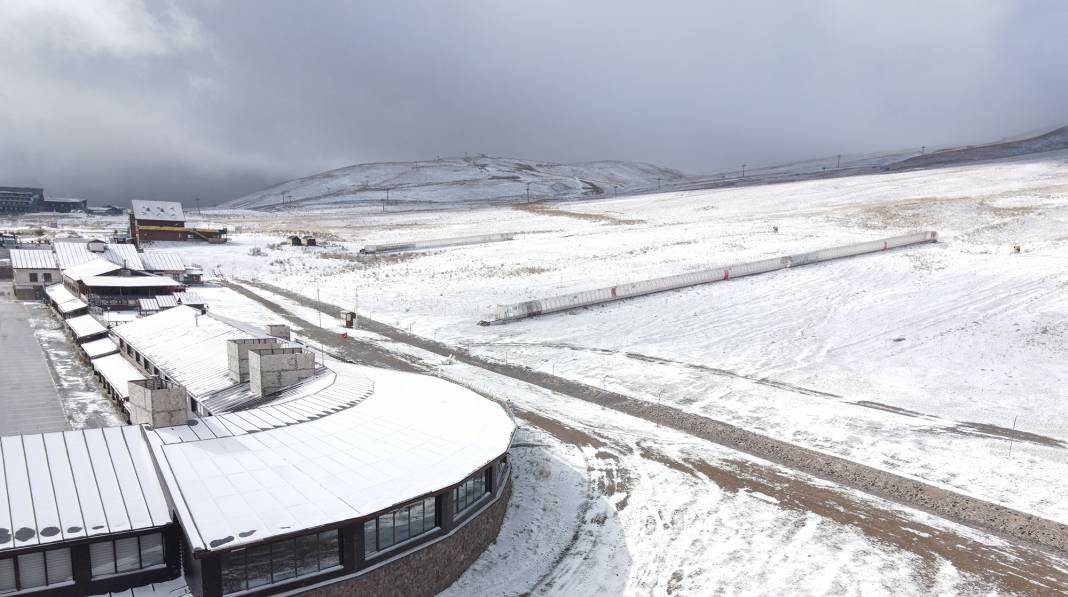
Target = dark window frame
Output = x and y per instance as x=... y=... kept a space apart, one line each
x=226 y=562
x=373 y=551
x=464 y=496
x=140 y=556
x=19 y=589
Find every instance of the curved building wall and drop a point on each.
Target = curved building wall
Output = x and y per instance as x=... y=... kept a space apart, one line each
x=429 y=569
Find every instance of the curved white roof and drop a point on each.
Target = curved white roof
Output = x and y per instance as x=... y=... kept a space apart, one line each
x=412 y=436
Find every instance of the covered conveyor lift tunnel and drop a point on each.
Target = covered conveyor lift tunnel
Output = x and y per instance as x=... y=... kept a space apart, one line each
x=564 y=302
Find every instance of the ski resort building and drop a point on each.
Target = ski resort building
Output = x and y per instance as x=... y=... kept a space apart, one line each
x=165 y=220
x=31 y=199
x=328 y=478
x=32 y=270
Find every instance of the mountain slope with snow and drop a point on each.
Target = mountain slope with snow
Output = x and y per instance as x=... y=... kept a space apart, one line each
x=458 y=180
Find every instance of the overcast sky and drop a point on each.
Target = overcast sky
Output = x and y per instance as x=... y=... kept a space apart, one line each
x=121 y=99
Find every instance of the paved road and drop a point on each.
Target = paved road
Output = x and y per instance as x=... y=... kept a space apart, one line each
x=29 y=401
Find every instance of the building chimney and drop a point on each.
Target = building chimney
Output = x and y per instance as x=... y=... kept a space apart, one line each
x=278 y=330
x=271 y=369
x=157 y=403
x=237 y=355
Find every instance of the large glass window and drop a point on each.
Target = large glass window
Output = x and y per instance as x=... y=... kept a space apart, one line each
x=280 y=561
x=33 y=570
x=125 y=555
x=400 y=525
x=470 y=491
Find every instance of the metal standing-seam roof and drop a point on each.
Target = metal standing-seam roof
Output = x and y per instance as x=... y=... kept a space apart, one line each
x=155 y=261
x=84 y=326
x=118 y=372
x=74 y=484
x=168 y=211
x=189 y=347
x=166 y=301
x=72 y=252
x=147 y=304
x=239 y=485
x=33 y=259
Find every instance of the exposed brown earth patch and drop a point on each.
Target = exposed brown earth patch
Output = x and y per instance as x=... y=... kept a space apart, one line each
x=548 y=210
x=1022 y=571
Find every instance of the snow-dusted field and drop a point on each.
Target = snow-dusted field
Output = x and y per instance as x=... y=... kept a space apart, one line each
x=920 y=361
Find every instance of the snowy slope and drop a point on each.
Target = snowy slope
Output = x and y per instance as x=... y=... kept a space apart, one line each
x=921 y=361
x=1052 y=141
x=458 y=180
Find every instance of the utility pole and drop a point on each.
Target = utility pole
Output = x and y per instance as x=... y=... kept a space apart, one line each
x=923 y=149
x=838 y=164
x=743 y=170
x=318 y=307
x=198 y=206
x=528 y=192
x=658 y=183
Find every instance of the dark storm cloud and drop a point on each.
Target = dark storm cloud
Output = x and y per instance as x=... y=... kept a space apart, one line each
x=121 y=99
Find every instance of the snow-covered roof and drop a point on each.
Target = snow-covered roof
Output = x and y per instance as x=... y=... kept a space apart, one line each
x=74 y=484
x=190 y=298
x=93 y=267
x=166 y=301
x=170 y=211
x=71 y=252
x=118 y=371
x=147 y=304
x=84 y=326
x=129 y=282
x=59 y=293
x=252 y=475
x=32 y=259
x=71 y=306
x=162 y=262
x=100 y=348
x=189 y=347
x=64 y=300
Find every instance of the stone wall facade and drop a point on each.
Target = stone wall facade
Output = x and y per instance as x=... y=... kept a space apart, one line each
x=428 y=570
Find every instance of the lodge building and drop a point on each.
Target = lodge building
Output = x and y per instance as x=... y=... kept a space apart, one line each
x=328 y=477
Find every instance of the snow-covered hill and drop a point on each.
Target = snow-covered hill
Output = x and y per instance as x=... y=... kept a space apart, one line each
x=458 y=180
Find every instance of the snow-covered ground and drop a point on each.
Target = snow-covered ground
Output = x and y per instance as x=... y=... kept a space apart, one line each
x=941 y=362
x=920 y=361
x=607 y=504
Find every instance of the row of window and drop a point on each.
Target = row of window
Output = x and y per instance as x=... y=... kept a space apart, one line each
x=126 y=555
x=33 y=570
x=400 y=525
x=47 y=277
x=280 y=561
x=42 y=569
x=470 y=491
